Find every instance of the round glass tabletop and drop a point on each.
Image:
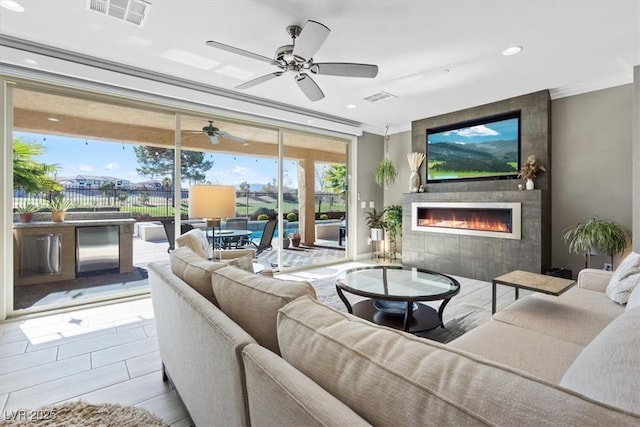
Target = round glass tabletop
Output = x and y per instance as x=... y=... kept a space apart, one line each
x=398 y=283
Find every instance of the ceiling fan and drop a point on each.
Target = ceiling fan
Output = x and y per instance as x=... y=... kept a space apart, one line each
x=214 y=133
x=298 y=59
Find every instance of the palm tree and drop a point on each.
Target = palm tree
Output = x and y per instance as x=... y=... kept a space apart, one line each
x=335 y=180
x=29 y=175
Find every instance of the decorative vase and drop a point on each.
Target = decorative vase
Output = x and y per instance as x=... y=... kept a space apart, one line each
x=414 y=182
x=57 y=216
x=529 y=184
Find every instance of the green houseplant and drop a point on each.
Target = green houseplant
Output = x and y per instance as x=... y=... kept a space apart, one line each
x=597 y=235
x=385 y=173
x=393 y=225
x=375 y=222
x=59 y=205
x=26 y=211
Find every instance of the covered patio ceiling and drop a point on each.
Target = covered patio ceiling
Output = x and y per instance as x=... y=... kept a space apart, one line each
x=109 y=119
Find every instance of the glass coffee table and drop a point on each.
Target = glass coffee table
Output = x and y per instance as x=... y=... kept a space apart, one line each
x=394 y=293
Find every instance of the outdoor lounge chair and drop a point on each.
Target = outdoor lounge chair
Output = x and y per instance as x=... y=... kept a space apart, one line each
x=169 y=229
x=267 y=236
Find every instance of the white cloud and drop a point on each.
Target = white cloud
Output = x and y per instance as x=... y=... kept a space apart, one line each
x=112 y=166
x=472 y=131
x=85 y=168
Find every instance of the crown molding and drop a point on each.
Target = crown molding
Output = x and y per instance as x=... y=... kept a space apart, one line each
x=593 y=85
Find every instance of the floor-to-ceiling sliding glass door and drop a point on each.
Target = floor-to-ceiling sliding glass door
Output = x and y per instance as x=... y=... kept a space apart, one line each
x=100 y=157
x=113 y=160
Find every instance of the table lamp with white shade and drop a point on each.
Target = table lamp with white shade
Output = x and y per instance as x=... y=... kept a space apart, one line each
x=211 y=203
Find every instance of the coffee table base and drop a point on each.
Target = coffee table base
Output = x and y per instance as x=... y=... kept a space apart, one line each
x=424 y=318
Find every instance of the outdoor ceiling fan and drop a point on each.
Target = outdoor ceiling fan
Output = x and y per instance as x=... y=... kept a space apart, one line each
x=213 y=133
x=297 y=58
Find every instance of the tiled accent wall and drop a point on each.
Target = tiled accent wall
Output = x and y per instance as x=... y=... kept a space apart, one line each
x=480 y=258
x=484 y=258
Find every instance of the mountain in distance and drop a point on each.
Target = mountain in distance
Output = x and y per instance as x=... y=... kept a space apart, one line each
x=503 y=150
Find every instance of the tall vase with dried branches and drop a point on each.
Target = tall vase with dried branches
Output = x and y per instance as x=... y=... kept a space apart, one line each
x=415 y=160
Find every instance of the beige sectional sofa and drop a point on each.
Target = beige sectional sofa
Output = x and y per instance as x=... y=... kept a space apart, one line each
x=242 y=349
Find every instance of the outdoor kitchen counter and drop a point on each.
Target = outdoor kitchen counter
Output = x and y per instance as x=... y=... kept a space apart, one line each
x=66 y=233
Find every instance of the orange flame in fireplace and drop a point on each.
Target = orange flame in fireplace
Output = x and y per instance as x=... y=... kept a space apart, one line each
x=473 y=223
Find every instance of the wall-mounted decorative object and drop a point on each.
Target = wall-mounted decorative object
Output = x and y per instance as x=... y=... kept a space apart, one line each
x=415 y=160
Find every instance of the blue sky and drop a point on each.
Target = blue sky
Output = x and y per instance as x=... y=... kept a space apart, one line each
x=75 y=156
x=504 y=129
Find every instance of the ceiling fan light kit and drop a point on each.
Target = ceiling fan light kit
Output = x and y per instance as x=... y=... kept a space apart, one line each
x=297 y=58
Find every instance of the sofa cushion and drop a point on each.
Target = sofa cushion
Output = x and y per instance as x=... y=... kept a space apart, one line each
x=195 y=271
x=275 y=388
x=538 y=354
x=253 y=301
x=576 y=316
x=624 y=279
x=196 y=240
x=608 y=369
x=392 y=378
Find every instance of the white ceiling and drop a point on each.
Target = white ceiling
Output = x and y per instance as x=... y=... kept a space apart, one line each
x=435 y=56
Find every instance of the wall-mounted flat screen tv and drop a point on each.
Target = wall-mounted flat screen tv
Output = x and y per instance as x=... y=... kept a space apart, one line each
x=486 y=148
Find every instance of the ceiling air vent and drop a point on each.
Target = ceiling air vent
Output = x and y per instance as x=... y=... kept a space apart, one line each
x=132 y=11
x=380 y=96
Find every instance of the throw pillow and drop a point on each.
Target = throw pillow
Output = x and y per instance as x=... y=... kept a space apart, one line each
x=634 y=299
x=253 y=301
x=194 y=271
x=244 y=262
x=624 y=279
x=608 y=369
x=196 y=240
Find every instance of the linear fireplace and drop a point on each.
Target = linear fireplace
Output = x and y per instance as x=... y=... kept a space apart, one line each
x=488 y=219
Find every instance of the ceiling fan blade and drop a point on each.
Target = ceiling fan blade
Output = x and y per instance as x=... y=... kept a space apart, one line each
x=258 y=80
x=227 y=135
x=242 y=52
x=309 y=87
x=312 y=36
x=345 y=69
x=213 y=138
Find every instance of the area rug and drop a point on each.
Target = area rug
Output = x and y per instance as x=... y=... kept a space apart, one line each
x=81 y=414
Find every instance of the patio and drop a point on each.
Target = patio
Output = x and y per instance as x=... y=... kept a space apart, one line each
x=55 y=294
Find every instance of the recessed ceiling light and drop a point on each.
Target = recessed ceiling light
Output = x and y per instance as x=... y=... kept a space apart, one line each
x=351 y=106
x=11 y=5
x=309 y=121
x=53 y=119
x=512 y=50
x=31 y=61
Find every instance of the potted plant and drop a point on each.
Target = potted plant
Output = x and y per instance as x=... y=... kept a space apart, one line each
x=59 y=205
x=285 y=240
x=393 y=225
x=26 y=211
x=385 y=173
x=295 y=239
x=375 y=222
x=597 y=235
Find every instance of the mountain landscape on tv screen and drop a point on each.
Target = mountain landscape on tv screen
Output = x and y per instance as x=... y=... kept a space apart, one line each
x=449 y=160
